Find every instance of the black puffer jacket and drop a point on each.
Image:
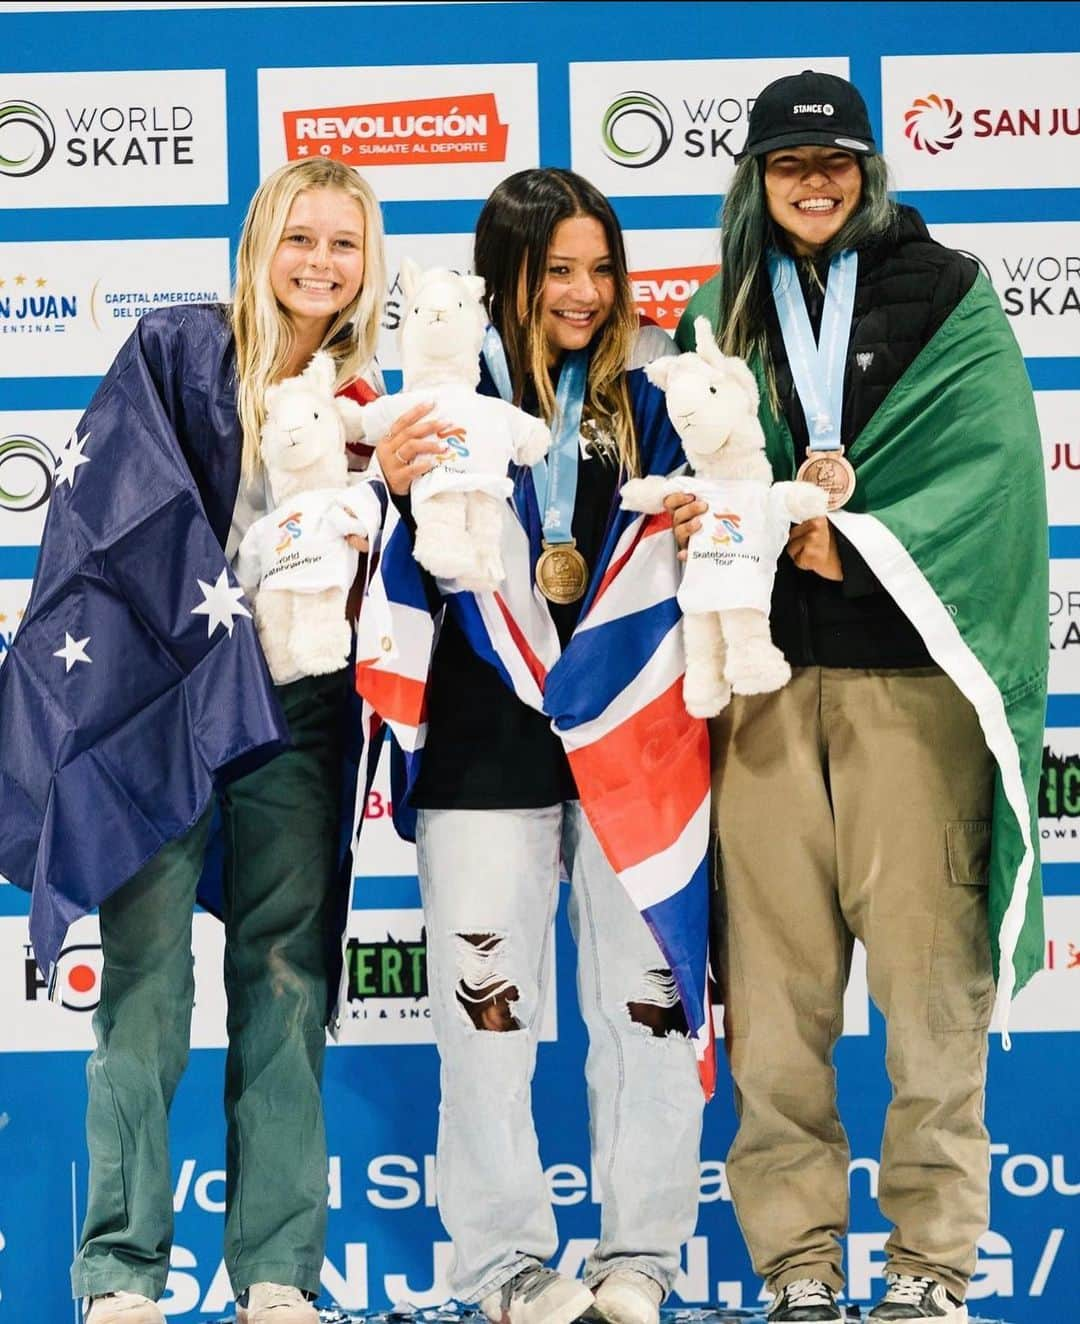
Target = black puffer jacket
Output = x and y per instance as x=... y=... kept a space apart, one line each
x=907 y=287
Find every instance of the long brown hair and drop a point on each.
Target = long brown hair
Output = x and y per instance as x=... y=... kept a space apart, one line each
x=513 y=236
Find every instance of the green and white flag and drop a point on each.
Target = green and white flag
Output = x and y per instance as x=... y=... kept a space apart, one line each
x=949 y=512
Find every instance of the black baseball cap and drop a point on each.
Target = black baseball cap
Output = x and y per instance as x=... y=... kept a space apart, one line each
x=809 y=110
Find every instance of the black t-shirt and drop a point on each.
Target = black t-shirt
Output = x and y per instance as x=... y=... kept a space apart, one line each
x=485 y=749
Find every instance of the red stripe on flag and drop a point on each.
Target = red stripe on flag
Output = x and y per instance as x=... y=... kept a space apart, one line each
x=395 y=698
x=654 y=524
x=644 y=780
x=535 y=666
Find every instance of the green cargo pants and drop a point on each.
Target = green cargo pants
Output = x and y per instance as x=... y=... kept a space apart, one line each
x=280 y=828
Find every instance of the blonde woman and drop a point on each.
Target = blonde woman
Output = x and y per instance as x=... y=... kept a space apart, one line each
x=309 y=274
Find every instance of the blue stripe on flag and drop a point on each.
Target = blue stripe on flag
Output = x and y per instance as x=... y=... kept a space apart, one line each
x=400 y=572
x=601 y=662
x=681 y=925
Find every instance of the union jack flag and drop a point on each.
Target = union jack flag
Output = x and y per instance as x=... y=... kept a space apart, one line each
x=614 y=696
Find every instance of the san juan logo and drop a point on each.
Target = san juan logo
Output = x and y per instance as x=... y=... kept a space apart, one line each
x=725 y=529
x=291 y=531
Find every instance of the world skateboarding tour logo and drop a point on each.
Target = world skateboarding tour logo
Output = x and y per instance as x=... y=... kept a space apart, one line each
x=637 y=130
x=933 y=124
x=16 y=117
x=726 y=528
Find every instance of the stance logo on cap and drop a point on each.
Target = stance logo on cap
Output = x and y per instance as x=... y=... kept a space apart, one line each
x=815 y=108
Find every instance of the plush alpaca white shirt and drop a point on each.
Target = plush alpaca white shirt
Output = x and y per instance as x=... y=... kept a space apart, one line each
x=731 y=560
x=484 y=434
x=300 y=545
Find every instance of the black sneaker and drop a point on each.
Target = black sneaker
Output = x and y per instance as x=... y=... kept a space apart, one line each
x=805 y=1299
x=917 y=1301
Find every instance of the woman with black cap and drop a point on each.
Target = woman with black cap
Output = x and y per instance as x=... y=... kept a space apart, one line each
x=887 y=792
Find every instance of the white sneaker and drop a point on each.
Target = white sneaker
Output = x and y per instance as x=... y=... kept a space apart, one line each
x=918 y=1301
x=535 y=1296
x=273 y=1303
x=122 y=1308
x=629 y=1297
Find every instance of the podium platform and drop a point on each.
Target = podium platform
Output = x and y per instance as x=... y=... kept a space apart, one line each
x=444 y=1315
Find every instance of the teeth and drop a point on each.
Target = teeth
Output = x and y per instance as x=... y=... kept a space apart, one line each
x=816 y=204
x=321 y=285
x=573 y=317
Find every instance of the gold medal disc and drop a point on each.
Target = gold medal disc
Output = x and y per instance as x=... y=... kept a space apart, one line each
x=561 y=573
x=832 y=473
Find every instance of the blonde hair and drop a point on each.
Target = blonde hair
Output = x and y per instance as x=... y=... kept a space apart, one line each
x=513 y=236
x=261 y=328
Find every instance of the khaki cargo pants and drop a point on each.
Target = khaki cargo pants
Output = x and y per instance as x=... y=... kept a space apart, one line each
x=856 y=804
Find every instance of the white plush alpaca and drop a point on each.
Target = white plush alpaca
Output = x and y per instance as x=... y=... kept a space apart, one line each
x=297 y=557
x=460 y=504
x=712 y=402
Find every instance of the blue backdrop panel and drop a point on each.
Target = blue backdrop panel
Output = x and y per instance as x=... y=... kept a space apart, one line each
x=123 y=188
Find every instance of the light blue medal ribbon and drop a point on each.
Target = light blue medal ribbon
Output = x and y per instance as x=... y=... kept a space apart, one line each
x=817 y=369
x=561 y=572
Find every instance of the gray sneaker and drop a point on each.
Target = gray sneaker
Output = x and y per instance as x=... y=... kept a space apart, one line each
x=917 y=1301
x=122 y=1308
x=537 y=1295
x=804 y=1301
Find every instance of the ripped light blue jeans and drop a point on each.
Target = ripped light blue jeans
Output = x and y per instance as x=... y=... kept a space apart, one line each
x=490 y=881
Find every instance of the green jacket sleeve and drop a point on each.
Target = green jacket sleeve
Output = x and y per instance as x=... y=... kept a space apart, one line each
x=704 y=303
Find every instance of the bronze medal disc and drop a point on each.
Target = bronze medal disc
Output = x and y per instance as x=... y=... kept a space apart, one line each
x=561 y=573
x=832 y=473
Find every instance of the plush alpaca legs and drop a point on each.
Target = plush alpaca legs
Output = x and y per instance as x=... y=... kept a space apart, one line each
x=320 y=636
x=443 y=545
x=485 y=528
x=273 y=621
x=754 y=664
x=705 y=691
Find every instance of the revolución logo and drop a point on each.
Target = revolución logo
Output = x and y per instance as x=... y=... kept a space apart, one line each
x=28 y=133
x=637 y=130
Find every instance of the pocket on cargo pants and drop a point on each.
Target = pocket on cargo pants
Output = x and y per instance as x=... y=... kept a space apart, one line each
x=961 y=975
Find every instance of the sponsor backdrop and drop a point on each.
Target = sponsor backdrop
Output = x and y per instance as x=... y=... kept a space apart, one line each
x=129 y=145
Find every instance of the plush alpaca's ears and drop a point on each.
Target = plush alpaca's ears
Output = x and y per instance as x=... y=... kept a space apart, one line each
x=321 y=373
x=659 y=371
x=475 y=286
x=738 y=371
x=410 y=276
x=705 y=342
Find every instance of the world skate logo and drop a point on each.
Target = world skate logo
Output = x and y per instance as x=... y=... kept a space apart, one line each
x=454 y=437
x=291 y=528
x=637 y=130
x=932 y=124
x=726 y=529
x=27 y=138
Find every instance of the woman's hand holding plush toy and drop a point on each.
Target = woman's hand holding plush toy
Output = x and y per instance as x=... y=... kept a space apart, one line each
x=407 y=449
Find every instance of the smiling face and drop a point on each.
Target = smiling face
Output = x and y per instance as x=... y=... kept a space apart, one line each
x=579 y=285
x=811 y=192
x=318 y=266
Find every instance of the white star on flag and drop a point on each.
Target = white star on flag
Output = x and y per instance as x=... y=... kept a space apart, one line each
x=221 y=602
x=74 y=650
x=70 y=458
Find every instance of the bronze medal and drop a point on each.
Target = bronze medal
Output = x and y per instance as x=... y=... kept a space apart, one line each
x=561 y=572
x=832 y=473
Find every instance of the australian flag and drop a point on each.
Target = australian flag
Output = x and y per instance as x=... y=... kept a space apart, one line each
x=136 y=683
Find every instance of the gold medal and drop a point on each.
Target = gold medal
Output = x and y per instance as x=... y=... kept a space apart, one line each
x=561 y=572
x=832 y=473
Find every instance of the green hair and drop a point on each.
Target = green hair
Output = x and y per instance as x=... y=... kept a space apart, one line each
x=748 y=232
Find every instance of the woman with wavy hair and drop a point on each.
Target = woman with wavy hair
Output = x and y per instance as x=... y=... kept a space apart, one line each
x=500 y=807
x=309 y=275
